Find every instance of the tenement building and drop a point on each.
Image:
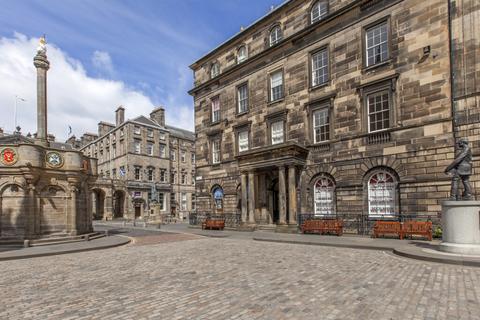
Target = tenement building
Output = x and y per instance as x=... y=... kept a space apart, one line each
x=146 y=168
x=340 y=108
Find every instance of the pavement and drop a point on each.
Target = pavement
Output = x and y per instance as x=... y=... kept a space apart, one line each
x=172 y=275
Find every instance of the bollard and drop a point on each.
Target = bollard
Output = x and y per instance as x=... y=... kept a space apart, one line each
x=87 y=237
x=106 y=233
x=26 y=243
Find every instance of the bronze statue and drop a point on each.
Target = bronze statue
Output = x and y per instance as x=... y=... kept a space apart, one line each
x=461 y=168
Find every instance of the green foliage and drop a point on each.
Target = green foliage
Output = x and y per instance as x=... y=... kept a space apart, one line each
x=437 y=232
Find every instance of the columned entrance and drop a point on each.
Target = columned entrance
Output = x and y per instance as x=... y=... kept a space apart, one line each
x=269 y=180
x=118 y=204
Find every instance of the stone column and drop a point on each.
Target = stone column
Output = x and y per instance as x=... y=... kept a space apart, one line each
x=31 y=212
x=244 y=197
x=251 y=197
x=292 y=195
x=282 y=196
x=42 y=64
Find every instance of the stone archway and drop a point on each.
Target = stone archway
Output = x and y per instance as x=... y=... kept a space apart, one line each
x=98 y=204
x=118 y=204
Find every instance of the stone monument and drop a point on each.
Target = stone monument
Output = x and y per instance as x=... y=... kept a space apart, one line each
x=460 y=214
x=45 y=186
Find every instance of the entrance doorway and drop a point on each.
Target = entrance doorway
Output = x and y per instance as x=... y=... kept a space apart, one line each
x=274 y=204
x=138 y=212
x=118 y=204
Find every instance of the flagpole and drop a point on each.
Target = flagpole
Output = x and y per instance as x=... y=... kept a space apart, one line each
x=15 y=114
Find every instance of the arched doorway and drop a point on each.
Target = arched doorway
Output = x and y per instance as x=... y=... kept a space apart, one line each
x=118 y=204
x=218 y=195
x=98 y=204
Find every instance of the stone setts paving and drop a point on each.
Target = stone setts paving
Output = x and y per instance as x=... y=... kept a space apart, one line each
x=206 y=278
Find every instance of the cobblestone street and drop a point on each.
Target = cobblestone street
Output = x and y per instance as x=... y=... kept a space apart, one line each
x=201 y=278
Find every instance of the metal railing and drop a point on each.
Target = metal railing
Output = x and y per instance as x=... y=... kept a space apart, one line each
x=362 y=224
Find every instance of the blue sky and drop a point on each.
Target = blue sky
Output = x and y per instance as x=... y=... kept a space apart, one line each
x=146 y=45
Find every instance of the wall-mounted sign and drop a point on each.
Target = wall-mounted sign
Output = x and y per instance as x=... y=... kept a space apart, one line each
x=9 y=156
x=54 y=159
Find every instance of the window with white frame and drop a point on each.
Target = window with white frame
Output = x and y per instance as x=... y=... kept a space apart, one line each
x=242 y=97
x=163 y=175
x=173 y=177
x=183 y=202
x=150 y=149
x=324 y=196
x=321 y=125
x=319 y=11
x=162 y=136
x=193 y=157
x=150 y=174
x=215 y=109
x=242 y=54
x=276 y=85
x=382 y=195
x=137 y=146
x=184 y=178
x=193 y=202
x=183 y=156
x=216 y=151
x=163 y=150
x=172 y=155
x=136 y=130
x=378 y=107
x=320 y=67
x=137 y=173
x=150 y=133
x=214 y=70
x=114 y=150
x=121 y=132
x=275 y=35
x=161 y=201
x=243 y=141
x=277 y=132
x=376 y=44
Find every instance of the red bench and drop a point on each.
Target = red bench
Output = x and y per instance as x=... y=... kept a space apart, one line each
x=414 y=228
x=402 y=229
x=387 y=227
x=213 y=224
x=323 y=226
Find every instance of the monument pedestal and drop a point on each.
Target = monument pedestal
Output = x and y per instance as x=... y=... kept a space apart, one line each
x=461 y=227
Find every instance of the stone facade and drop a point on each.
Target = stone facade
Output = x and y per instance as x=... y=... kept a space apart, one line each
x=349 y=115
x=141 y=163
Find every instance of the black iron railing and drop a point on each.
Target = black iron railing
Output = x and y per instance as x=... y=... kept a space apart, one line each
x=363 y=224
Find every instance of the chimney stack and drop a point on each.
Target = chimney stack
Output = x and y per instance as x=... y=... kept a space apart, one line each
x=158 y=115
x=119 y=116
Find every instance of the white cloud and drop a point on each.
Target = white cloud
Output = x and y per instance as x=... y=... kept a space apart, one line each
x=74 y=97
x=103 y=62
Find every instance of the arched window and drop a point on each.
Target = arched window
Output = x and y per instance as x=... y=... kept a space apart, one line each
x=324 y=195
x=214 y=70
x=319 y=10
x=275 y=35
x=217 y=193
x=242 y=54
x=382 y=194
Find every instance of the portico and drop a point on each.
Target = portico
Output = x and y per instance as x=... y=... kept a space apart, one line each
x=269 y=182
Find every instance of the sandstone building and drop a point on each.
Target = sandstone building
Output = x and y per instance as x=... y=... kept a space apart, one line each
x=340 y=108
x=45 y=186
x=146 y=167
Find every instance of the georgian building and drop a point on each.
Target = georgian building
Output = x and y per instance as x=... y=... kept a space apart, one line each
x=143 y=164
x=345 y=108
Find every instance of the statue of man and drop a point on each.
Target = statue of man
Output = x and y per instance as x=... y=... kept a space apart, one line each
x=461 y=168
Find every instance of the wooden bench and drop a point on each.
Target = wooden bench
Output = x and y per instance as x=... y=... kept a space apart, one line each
x=323 y=226
x=213 y=224
x=418 y=228
x=387 y=227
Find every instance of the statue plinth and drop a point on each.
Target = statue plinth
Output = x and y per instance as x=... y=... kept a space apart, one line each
x=461 y=227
